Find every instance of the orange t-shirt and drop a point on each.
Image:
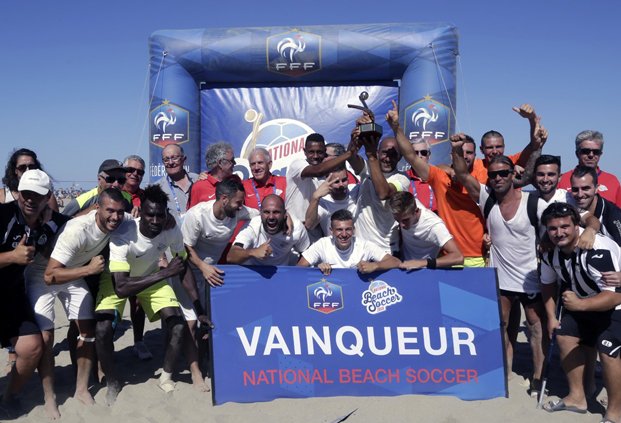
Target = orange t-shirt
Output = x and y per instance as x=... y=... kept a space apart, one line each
x=479 y=167
x=461 y=215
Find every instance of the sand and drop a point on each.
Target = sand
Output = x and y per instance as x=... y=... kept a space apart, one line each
x=141 y=400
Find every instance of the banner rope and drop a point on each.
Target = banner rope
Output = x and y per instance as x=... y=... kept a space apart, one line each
x=439 y=70
x=462 y=79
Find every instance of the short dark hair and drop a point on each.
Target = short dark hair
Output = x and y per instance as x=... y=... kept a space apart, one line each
x=557 y=210
x=155 y=194
x=229 y=186
x=582 y=170
x=548 y=159
x=502 y=160
x=491 y=134
x=112 y=193
x=469 y=140
x=338 y=148
x=315 y=137
x=401 y=202
x=341 y=215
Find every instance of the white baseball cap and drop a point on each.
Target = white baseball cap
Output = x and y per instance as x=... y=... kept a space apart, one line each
x=35 y=180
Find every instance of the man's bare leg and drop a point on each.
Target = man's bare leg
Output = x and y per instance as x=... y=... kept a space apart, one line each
x=505 y=306
x=28 y=350
x=176 y=326
x=85 y=353
x=191 y=353
x=46 y=372
x=535 y=319
x=572 y=360
x=105 y=353
x=611 y=367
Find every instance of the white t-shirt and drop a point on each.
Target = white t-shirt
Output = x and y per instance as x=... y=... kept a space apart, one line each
x=560 y=196
x=207 y=234
x=328 y=205
x=254 y=235
x=324 y=251
x=131 y=251
x=80 y=241
x=374 y=221
x=299 y=190
x=513 y=251
x=422 y=240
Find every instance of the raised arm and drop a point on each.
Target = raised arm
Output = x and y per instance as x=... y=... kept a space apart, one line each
x=536 y=141
x=323 y=168
x=312 y=213
x=421 y=168
x=461 y=168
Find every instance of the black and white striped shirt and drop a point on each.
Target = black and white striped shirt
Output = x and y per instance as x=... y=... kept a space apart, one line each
x=581 y=271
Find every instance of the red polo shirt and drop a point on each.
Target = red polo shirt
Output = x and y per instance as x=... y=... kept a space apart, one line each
x=203 y=190
x=255 y=193
x=422 y=191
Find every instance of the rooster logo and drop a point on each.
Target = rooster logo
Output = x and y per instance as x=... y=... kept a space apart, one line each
x=424 y=115
x=322 y=292
x=289 y=47
x=165 y=119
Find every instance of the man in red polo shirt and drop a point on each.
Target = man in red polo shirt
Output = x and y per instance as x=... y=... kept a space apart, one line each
x=263 y=182
x=589 y=149
x=220 y=161
x=421 y=190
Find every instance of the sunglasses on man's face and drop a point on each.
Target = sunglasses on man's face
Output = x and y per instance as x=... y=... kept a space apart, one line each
x=423 y=153
x=111 y=179
x=502 y=173
x=140 y=172
x=588 y=151
x=25 y=167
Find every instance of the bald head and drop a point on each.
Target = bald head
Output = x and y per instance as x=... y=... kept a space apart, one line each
x=273 y=215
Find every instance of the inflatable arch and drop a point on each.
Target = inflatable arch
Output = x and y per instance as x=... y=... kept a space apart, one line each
x=273 y=86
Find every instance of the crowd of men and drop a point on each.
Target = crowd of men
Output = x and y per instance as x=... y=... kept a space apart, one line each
x=161 y=246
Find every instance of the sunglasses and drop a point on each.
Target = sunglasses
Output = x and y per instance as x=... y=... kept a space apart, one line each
x=25 y=167
x=140 y=172
x=111 y=179
x=502 y=173
x=588 y=151
x=423 y=153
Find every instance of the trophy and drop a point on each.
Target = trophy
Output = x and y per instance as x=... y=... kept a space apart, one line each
x=367 y=128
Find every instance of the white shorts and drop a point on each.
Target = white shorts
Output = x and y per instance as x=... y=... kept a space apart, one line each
x=184 y=299
x=75 y=298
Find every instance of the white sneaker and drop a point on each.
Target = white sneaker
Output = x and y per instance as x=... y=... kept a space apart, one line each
x=142 y=351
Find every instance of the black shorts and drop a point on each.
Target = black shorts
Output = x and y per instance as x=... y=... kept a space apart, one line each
x=594 y=329
x=523 y=297
x=16 y=317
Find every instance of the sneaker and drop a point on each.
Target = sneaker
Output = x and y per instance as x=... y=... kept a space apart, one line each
x=141 y=350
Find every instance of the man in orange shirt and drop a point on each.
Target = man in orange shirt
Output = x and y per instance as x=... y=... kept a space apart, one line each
x=493 y=144
x=461 y=215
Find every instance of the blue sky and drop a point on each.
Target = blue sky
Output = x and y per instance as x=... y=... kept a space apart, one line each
x=74 y=72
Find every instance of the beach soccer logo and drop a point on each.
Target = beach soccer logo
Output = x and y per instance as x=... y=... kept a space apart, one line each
x=324 y=297
x=170 y=124
x=379 y=296
x=283 y=138
x=428 y=119
x=294 y=53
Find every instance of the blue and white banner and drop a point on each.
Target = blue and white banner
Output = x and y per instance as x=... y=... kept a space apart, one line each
x=291 y=332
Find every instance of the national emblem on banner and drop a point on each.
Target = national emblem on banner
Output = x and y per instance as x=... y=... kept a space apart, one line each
x=294 y=53
x=170 y=124
x=429 y=119
x=324 y=297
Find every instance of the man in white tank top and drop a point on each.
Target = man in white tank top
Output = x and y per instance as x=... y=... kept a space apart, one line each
x=513 y=251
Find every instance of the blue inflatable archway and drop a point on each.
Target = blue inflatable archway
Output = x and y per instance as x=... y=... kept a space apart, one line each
x=272 y=86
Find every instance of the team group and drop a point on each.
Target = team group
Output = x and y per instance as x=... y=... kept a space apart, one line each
x=553 y=248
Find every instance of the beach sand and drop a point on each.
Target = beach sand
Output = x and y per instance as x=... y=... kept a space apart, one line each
x=141 y=400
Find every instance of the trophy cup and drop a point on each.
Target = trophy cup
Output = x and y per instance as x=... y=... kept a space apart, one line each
x=367 y=128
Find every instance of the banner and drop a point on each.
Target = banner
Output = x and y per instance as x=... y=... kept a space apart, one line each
x=291 y=332
x=260 y=117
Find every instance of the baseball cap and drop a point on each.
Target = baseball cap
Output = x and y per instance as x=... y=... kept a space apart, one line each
x=35 y=180
x=111 y=165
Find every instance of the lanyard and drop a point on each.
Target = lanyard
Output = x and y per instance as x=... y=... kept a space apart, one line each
x=413 y=185
x=256 y=192
x=174 y=194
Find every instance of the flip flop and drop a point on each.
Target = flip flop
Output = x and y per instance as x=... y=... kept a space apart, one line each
x=559 y=405
x=606 y=421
